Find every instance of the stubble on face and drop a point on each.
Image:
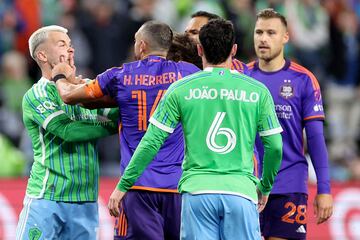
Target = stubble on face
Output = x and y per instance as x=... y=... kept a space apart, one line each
x=269 y=39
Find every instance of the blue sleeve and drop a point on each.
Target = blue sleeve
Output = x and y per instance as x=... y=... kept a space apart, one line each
x=318 y=154
x=312 y=100
x=108 y=80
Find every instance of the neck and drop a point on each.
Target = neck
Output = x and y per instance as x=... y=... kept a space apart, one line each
x=46 y=72
x=272 y=65
x=154 y=53
x=226 y=64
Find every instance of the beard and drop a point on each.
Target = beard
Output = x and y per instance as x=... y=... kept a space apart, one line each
x=267 y=57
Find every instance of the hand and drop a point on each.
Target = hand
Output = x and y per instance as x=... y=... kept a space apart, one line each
x=323 y=207
x=262 y=200
x=114 y=202
x=66 y=68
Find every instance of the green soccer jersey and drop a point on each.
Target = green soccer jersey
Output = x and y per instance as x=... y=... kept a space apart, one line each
x=220 y=111
x=65 y=164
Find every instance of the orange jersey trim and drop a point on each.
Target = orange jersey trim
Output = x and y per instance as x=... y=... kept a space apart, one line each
x=317 y=116
x=154 y=189
x=298 y=68
x=251 y=65
x=256 y=170
x=236 y=65
x=93 y=90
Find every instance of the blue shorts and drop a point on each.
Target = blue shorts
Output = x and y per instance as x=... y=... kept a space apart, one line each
x=285 y=216
x=149 y=215
x=45 y=219
x=218 y=216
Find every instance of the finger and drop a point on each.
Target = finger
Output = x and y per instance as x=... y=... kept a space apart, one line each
x=71 y=62
x=62 y=58
x=315 y=209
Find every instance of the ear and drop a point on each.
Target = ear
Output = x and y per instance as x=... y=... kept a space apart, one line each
x=143 y=46
x=41 y=55
x=234 y=50
x=286 y=37
x=200 y=50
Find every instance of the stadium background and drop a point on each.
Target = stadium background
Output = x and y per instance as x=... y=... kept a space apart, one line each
x=324 y=37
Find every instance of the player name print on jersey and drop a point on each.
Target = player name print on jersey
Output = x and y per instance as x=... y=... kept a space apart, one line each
x=151 y=80
x=223 y=94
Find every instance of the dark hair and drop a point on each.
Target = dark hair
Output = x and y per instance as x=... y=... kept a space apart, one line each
x=158 y=34
x=217 y=38
x=269 y=13
x=208 y=15
x=183 y=48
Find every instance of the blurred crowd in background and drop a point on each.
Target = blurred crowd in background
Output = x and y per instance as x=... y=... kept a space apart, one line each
x=324 y=37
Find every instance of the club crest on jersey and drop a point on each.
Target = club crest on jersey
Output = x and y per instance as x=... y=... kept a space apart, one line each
x=287 y=91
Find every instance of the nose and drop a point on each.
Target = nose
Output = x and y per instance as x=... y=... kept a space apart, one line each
x=71 y=50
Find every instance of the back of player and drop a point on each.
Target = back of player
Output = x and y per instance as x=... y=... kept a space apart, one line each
x=215 y=106
x=152 y=207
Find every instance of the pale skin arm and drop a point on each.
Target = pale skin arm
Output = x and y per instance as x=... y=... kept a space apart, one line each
x=114 y=202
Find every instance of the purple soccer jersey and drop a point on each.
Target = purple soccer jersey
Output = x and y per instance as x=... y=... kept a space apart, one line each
x=137 y=88
x=297 y=98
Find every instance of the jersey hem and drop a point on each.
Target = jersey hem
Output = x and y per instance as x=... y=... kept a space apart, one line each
x=223 y=192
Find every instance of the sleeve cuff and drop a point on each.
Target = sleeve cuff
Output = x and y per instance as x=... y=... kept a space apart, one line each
x=161 y=126
x=270 y=132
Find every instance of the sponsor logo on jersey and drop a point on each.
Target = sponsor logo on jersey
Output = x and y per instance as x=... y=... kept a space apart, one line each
x=318 y=108
x=283 y=111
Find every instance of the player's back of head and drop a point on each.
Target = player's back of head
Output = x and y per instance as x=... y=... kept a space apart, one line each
x=217 y=38
x=158 y=35
x=183 y=48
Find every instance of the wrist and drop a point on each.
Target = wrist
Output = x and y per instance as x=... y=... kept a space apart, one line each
x=58 y=77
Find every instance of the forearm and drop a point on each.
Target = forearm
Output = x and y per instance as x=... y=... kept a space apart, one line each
x=78 y=131
x=319 y=155
x=272 y=161
x=143 y=155
x=68 y=91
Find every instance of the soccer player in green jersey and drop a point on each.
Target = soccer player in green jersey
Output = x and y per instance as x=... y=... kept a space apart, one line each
x=62 y=191
x=221 y=111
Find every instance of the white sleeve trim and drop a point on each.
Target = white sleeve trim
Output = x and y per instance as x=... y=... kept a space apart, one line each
x=106 y=112
x=161 y=126
x=270 y=132
x=50 y=117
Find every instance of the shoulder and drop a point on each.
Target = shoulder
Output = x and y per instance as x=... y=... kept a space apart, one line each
x=184 y=82
x=251 y=65
x=239 y=65
x=304 y=74
x=249 y=80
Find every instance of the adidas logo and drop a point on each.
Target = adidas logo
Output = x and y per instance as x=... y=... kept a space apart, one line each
x=301 y=229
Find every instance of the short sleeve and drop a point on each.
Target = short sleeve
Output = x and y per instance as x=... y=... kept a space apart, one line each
x=41 y=104
x=107 y=81
x=312 y=100
x=167 y=114
x=268 y=122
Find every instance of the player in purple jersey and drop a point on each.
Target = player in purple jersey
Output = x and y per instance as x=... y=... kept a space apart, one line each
x=199 y=19
x=298 y=105
x=151 y=210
